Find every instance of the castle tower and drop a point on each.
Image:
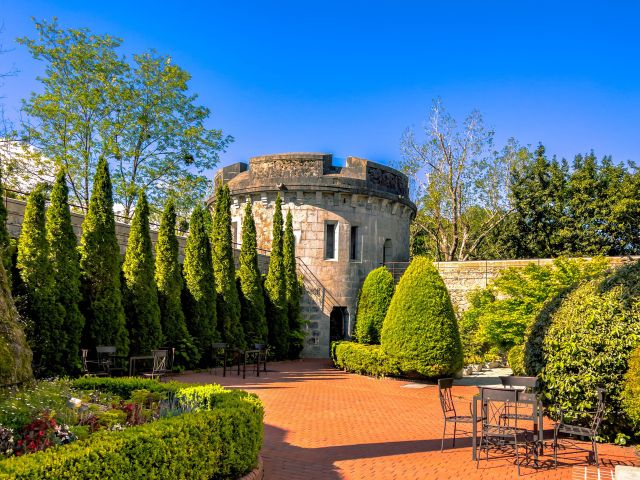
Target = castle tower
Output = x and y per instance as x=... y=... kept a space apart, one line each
x=347 y=221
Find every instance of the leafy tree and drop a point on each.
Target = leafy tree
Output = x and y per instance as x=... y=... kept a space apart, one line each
x=200 y=289
x=15 y=353
x=224 y=268
x=276 y=288
x=630 y=398
x=293 y=290
x=170 y=284
x=254 y=320
x=65 y=262
x=105 y=322
x=138 y=113
x=140 y=293
x=458 y=176
x=69 y=121
x=420 y=331
x=373 y=303
x=502 y=314
x=37 y=302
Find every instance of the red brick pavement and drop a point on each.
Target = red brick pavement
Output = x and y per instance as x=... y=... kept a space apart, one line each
x=324 y=424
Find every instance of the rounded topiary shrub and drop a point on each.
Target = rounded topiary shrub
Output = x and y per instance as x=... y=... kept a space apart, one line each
x=373 y=304
x=420 y=330
x=587 y=346
x=631 y=390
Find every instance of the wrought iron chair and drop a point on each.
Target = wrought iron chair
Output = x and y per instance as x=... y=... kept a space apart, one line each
x=449 y=410
x=528 y=386
x=89 y=365
x=219 y=354
x=591 y=431
x=263 y=350
x=159 y=368
x=499 y=431
x=107 y=356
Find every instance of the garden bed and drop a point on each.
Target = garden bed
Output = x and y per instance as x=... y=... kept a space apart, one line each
x=129 y=428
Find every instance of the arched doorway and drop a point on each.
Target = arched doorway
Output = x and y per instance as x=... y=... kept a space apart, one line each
x=337 y=324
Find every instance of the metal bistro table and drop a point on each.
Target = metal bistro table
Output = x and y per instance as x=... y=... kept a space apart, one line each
x=132 y=362
x=523 y=398
x=244 y=355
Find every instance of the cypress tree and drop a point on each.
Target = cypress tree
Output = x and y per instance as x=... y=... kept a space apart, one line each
x=292 y=290
x=105 y=322
x=140 y=293
x=200 y=288
x=225 y=272
x=65 y=262
x=254 y=318
x=276 y=288
x=37 y=301
x=169 y=283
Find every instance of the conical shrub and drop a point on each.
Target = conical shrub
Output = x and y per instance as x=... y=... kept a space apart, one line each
x=65 y=262
x=100 y=257
x=225 y=272
x=37 y=301
x=140 y=293
x=254 y=320
x=170 y=284
x=292 y=290
x=200 y=289
x=420 y=330
x=276 y=288
x=373 y=303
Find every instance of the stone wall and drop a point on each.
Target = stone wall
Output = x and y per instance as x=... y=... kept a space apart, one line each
x=15 y=210
x=462 y=278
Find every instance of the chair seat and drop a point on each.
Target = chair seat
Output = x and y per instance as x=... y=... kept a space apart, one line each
x=505 y=431
x=518 y=416
x=575 y=430
x=460 y=419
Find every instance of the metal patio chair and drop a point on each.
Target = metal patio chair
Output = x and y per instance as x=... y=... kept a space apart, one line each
x=92 y=368
x=449 y=410
x=577 y=430
x=159 y=368
x=502 y=432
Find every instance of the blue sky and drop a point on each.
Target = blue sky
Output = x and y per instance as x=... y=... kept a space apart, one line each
x=348 y=77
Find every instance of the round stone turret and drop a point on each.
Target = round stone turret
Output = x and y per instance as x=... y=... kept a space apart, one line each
x=347 y=221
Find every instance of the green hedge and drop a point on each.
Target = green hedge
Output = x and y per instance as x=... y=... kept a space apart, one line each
x=364 y=359
x=588 y=345
x=212 y=443
x=630 y=398
x=420 y=330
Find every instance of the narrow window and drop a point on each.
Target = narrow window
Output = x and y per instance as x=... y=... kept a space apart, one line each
x=386 y=251
x=234 y=232
x=353 y=247
x=330 y=241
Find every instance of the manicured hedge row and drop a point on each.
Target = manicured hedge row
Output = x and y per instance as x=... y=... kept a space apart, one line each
x=213 y=443
x=364 y=359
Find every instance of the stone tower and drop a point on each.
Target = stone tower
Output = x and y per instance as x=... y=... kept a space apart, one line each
x=347 y=221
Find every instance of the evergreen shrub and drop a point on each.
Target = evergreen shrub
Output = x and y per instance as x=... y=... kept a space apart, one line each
x=420 y=330
x=363 y=359
x=588 y=344
x=373 y=303
x=220 y=440
x=630 y=398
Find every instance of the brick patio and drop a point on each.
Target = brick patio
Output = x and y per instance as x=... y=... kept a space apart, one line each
x=325 y=424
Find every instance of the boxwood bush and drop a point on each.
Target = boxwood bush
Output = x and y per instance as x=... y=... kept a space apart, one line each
x=631 y=391
x=420 y=330
x=515 y=358
x=363 y=359
x=588 y=345
x=209 y=443
x=373 y=303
